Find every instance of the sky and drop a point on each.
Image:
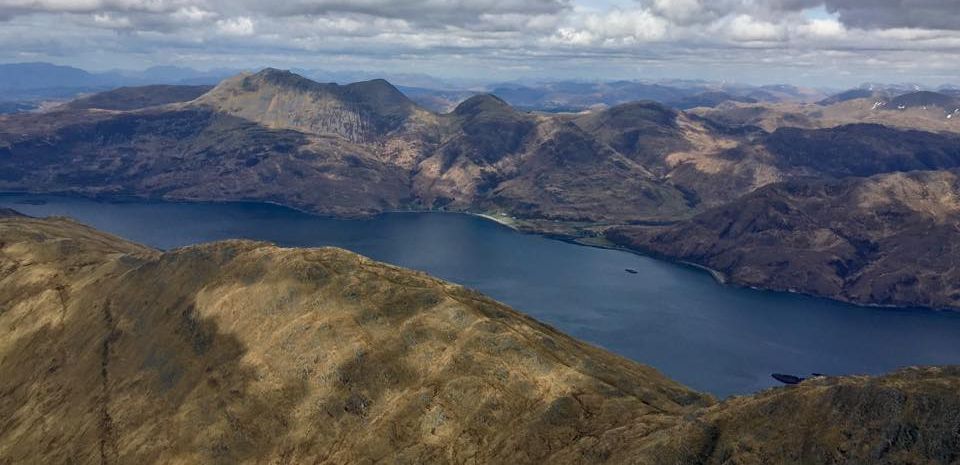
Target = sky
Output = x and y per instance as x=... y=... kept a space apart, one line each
x=831 y=43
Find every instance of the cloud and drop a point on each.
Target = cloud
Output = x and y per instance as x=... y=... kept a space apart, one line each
x=742 y=37
x=745 y=28
x=613 y=28
x=884 y=14
x=238 y=27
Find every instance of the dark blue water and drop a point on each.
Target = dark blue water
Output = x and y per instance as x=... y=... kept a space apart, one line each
x=714 y=338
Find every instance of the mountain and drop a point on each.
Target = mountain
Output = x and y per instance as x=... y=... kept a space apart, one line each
x=243 y=352
x=846 y=96
x=862 y=150
x=335 y=149
x=924 y=99
x=36 y=76
x=360 y=112
x=843 y=109
x=576 y=96
x=366 y=148
x=15 y=107
x=537 y=168
x=708 y=99
x=437 y=101
x=890 y=239
x=190 y=151
x=135 y=98
x=646 y=132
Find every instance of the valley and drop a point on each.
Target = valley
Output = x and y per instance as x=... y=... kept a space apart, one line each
x=623 y=173
x=487 y=232
x=722 y=340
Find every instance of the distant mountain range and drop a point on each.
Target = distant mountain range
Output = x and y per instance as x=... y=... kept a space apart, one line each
x=730 y=187
x=26 y=85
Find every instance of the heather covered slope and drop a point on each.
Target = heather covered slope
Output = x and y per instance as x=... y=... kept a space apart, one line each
x=891 y=239
x=242 y=352
x=135 y=98
x=535 y=167
x=909 y=417
x=197 y=154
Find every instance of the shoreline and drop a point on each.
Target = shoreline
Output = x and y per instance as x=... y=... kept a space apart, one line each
x=597 y=242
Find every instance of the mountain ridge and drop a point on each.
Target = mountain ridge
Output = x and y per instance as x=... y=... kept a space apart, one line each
x=362 y=149
x=244 y=352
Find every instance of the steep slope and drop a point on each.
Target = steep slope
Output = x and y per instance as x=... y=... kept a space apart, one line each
x=709 y=163
x=862 y=150
x=537 y=167
x=644 y=131
x=195 y=154
x=945 y=102
x=135 y=98
x=892 y=239
x=905 y=418
x=242 y=352
x=360 y=112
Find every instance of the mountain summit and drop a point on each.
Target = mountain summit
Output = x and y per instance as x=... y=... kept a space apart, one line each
x=359 y=112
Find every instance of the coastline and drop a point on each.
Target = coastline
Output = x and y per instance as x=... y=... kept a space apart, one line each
x=500 y=219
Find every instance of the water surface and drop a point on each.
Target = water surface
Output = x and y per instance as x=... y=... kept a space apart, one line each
x=711 y=337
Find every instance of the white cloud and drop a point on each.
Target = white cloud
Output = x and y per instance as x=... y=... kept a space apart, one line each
x=699 y=35
x=744 y=28
x=823 y=29
x=193 y=14
x=239 y=27
x=614 y=27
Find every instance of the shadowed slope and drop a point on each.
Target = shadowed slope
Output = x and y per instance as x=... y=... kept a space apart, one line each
x=242 y=352
x=892 y=239
x=135 y=98
x=360 y=112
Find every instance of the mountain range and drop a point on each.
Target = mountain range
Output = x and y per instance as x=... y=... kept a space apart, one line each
x=244 y=352
x=855 y=186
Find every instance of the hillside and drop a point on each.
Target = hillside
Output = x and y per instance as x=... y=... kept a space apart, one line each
x=499 y=159
x=365 y=148
x=135 y=98
x=905 y=112
x=891 y=239
x=359 y=112
x=243 y=352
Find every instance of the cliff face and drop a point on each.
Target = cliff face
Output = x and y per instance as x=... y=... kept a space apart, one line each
x=242 y=352
x=360 y=112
